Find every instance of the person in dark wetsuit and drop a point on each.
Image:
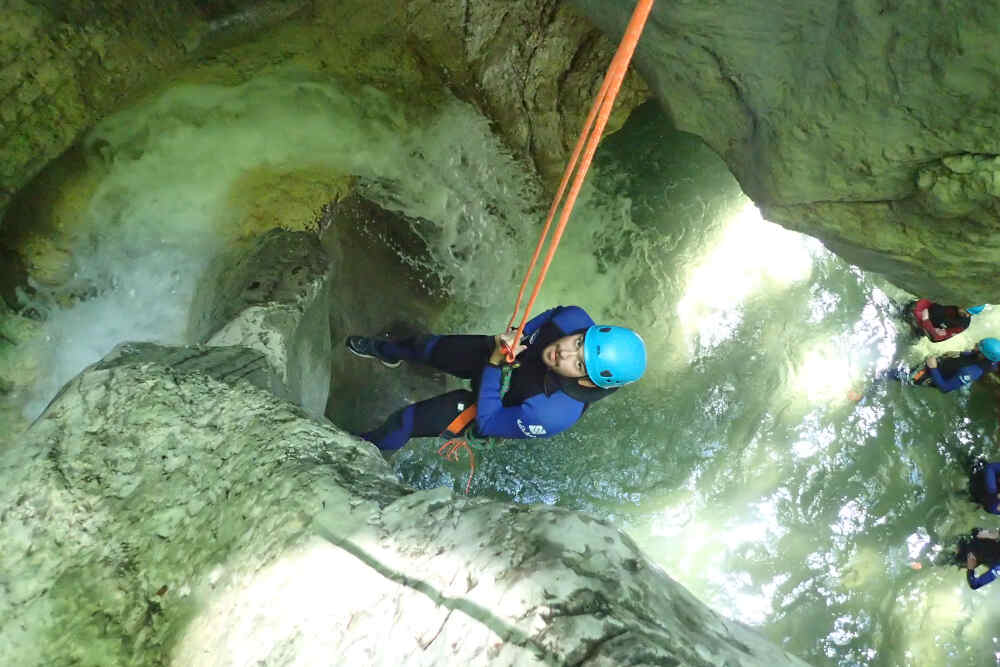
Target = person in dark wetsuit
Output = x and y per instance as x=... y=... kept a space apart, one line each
x=984 y=487
x=939 y=323
x=982 y=548
x=566 y=363
x=951 y=372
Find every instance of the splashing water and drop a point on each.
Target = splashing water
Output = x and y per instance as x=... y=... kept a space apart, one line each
x=160 y=213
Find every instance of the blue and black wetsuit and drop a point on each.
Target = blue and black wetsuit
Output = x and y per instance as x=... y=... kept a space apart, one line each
x=538 y=404
x=951 y=372
x=955 y=372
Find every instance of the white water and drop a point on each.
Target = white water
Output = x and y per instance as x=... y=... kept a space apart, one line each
x=160 y=212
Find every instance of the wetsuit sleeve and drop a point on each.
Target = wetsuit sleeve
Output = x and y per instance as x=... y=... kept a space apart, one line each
x=492 y=418
x=965 y=375
x=980 y=581
x=538 y=417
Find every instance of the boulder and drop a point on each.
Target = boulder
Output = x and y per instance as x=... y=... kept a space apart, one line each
x=164 y=509
x=272 y=295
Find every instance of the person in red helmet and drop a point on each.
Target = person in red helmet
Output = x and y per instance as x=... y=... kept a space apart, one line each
x=939 y=323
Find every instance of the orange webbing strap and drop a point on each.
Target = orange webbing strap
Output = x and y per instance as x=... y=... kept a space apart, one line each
x=590 y=136
x=459 y=423
x=453 y=431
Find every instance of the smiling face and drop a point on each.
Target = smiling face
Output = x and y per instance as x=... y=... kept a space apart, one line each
x=565 y=356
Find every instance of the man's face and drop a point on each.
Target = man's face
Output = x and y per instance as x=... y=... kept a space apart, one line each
x=565 y=356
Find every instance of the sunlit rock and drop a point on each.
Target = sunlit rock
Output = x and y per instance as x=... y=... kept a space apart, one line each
x=290 y=198
x=273 y=296
x=828 y=114
x=164 y=509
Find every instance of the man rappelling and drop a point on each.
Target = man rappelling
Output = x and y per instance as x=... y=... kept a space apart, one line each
x=566 y=363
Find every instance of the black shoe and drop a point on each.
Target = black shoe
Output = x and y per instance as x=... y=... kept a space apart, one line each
x=367 y=348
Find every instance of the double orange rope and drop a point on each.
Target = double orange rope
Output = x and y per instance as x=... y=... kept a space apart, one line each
x=590 y=136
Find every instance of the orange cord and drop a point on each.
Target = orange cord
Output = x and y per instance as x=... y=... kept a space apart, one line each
x=452 y=455
x=590 y=136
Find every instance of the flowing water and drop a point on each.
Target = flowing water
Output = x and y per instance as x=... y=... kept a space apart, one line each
x=737 y=463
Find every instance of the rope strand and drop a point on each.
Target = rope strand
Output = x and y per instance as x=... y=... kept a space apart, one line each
x=590 y=136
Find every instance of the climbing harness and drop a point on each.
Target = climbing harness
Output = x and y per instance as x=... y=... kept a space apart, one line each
x=590 y=136
x=458 y=433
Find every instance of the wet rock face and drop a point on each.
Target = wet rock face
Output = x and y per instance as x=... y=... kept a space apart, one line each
x=148 y=471
x=533 y=66
x=165 y=509
x=273 y=296
x=834 y=117
x=839 y=119
x=63 y=65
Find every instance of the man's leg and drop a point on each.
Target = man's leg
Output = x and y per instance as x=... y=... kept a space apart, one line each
x=420 y=420
x=461 y=356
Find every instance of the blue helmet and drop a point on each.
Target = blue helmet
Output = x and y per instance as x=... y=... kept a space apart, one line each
x=613 y=355
x=990 y=347
x=975 y=310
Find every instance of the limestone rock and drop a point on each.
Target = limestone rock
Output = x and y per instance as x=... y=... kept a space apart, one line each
x=266 y=198
x=63 y=66
x=273 y=296
x=140 y=479
x=533 y=66
x=163 y=509
x=830 y=113
x=819 y=109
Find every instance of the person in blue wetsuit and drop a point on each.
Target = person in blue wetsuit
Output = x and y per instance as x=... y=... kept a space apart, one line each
x=949 y=373
x=984 y=487
x=983 y=548
x=566 y=362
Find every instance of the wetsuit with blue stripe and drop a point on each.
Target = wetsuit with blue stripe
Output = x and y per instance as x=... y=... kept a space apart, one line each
x=538 y=404
x=951 y=373
x=969 y=369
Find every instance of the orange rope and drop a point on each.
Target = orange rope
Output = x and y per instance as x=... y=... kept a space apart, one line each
x=590 y=136
x=452 y=455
